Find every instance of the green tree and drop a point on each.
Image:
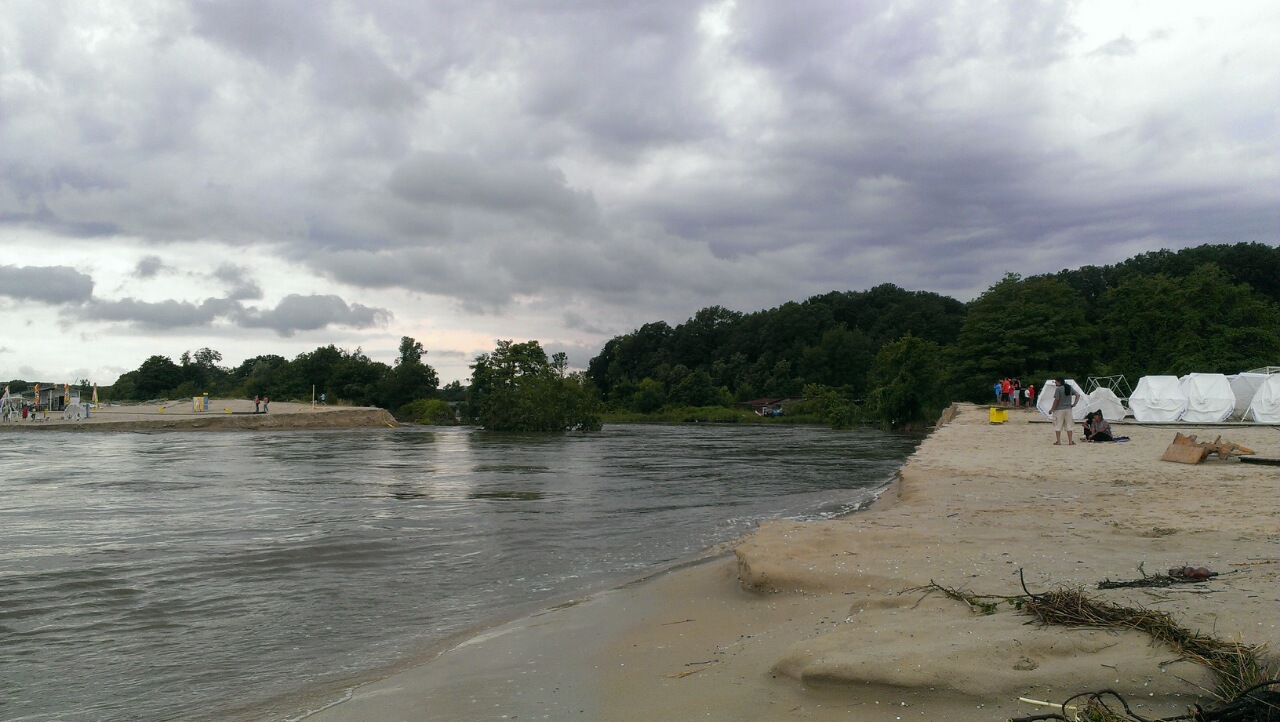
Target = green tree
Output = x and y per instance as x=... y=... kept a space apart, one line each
x=410 y=379
x=517 y=388
x=156 y=377
x=650 y=396
x=1200 y=322
x=696 y=389
x=1023 y=328
x=907 y=383
x=841 y=358
x=453 y=391
x=427 y=411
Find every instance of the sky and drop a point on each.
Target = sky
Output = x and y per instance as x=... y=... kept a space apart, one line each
x=271 y=176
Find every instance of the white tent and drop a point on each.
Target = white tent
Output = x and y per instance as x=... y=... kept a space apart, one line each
x=1209 y=398
x=1105 y=400
x=1244 y=385
x=1265 y=406
x=1044 y=399
x=1157 y=399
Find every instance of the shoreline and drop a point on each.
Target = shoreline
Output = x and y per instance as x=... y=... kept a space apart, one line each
x=306 y=704
x=223 y=415
x=815 y=620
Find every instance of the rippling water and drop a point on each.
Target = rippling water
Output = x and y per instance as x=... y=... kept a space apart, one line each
x=199 y=575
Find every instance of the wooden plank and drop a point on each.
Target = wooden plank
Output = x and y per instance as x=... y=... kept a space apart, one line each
x=1184 y=453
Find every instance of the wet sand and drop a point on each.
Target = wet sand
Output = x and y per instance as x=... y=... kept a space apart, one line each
x=223 y=415
x=816 y=620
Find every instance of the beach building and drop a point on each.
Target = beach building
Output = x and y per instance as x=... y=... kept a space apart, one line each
x=57 y=397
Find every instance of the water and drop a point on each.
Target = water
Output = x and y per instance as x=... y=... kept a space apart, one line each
x=200 y=575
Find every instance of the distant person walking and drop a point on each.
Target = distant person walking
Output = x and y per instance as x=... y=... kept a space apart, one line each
x=266 y=400
x=257 y=403
x=1063 y=399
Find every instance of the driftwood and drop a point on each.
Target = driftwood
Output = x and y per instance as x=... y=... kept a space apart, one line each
x=1187 y=450
x=1176 y=575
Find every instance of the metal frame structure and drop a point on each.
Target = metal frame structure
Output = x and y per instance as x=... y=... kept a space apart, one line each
x=1117 y=384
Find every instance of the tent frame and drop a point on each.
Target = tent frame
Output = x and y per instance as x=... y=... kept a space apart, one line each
x=1117 y=384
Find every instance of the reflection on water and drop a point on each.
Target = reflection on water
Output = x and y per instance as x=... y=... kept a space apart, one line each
x=149 y=576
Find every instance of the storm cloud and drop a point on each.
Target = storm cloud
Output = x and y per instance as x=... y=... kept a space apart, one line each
x=297 y=313
x=48 y=284
x=292 y=314
x=576 y=169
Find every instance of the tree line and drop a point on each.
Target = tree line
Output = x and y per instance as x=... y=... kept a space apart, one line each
x=341 y=376
x=898 y=356
x=886 y=354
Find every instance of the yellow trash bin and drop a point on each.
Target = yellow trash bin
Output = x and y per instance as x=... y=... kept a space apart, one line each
x=998 y=415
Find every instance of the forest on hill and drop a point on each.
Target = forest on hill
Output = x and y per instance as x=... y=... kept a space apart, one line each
x=899 y=356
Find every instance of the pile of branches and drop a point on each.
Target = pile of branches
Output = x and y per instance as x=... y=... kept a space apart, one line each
x=1244 y=678
x=1176 y=575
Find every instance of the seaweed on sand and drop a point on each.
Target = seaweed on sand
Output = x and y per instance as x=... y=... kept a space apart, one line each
x=1244 y=677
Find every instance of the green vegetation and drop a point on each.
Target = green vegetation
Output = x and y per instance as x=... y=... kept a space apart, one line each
x=896 y=357
x=433 y=412
x=886 y=355
x=517 y=388
x=343 y=377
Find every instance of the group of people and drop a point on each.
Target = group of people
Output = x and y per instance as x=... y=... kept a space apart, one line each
x=14 y=411
x=1010 y=392
x=260 y=404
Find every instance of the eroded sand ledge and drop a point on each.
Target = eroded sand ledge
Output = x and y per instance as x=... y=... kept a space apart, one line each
x=223 y=415
x=810 y=620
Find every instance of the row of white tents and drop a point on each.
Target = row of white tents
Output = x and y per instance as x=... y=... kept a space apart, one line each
x=1194 y=398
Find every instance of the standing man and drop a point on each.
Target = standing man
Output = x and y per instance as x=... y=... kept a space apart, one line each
x=1063 y=399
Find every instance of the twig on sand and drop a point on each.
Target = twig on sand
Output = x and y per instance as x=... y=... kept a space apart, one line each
x=708 y=665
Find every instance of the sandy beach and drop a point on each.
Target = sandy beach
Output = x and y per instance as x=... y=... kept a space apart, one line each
x=819 y=620
x=222 y=415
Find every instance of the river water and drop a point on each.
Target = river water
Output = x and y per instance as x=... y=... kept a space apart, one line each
x=150 y=576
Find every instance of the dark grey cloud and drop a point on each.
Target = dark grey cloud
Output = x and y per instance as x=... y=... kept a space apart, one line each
x=149 y=267
x=576 y=321
x=634 y=158
x=156 y=315
x=297 y=313
x=47 y=284
x=294 y=313
x=531 y=193
x=342 y=64
x=240 y=279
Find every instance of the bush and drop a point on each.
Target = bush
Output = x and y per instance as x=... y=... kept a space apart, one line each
x=427 y=411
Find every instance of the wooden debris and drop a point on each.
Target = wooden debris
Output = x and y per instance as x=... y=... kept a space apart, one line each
x=1187 y=450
